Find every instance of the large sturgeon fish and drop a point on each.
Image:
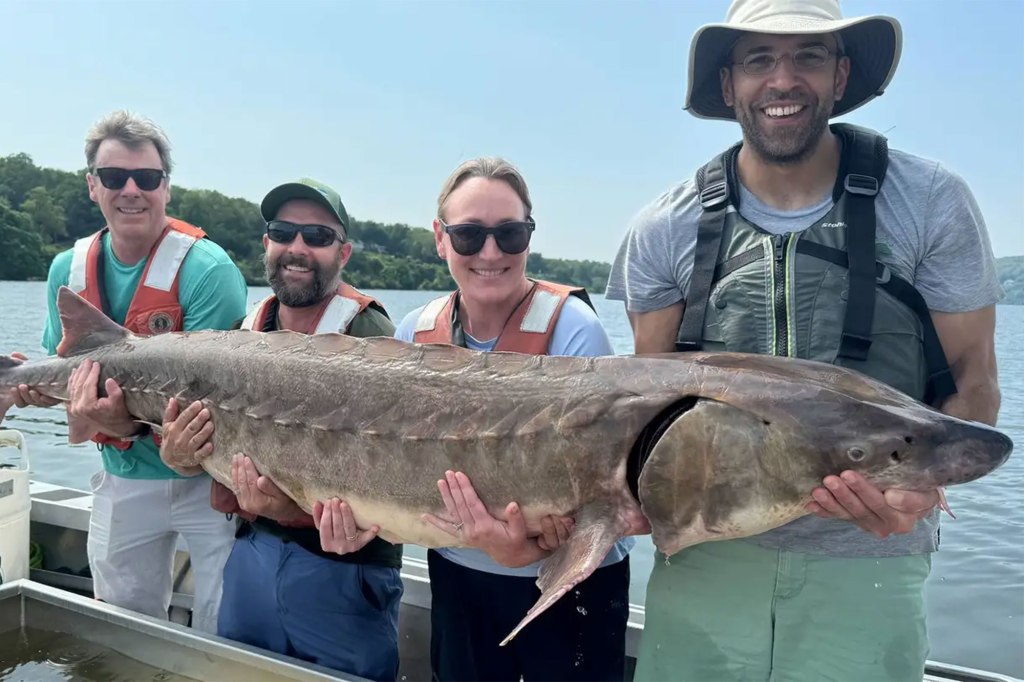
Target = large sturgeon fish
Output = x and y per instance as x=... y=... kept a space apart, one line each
x=700 y=446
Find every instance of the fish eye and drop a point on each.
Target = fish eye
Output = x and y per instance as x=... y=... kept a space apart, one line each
x=856 y=453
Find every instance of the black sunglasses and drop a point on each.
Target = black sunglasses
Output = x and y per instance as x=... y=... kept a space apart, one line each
x=468 y=238
x=283 y=232
x=146 y=179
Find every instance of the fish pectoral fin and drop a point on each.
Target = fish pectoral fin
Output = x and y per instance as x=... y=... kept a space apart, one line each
x=598 y=527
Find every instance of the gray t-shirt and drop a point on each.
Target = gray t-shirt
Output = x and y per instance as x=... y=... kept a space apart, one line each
x=930 y=231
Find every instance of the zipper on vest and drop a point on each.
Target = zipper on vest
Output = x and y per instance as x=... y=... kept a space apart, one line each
x=780 y=313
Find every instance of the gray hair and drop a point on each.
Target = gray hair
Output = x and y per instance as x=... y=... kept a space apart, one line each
x=491 y=168
x=132 y=131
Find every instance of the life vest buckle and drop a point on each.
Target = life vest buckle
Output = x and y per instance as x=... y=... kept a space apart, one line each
x=861 y=184
x=714 y=195
x=854 y=347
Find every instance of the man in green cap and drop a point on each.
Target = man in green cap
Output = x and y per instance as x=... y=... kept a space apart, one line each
x=281 y=590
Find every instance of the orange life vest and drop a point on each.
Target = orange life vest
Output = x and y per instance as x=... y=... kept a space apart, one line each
x=155 y=308
x=528 y=330
x=337 y=316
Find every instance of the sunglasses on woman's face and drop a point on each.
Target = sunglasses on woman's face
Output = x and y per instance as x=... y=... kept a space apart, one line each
x=468 y=238
x=146 y=179
x=283 y=232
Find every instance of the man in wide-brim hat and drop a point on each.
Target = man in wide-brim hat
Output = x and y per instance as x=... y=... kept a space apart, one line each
x=871 y=44
x=815 y=240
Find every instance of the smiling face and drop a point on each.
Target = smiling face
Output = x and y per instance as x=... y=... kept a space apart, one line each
x=489 y=277
x=303 y=275
x=784 y=112
x=130 y=212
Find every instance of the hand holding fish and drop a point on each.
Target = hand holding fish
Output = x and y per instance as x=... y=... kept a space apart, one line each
x=9 y=398
x=22 y=395
x=853 y=498
x=259 y=495
x=88 y=413
x=555 y=532
x=506 y=542
x=186 y=437
x=338 y=530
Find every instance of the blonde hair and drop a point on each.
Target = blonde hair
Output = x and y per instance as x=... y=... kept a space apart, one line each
x=491 y=168
x=132 y=131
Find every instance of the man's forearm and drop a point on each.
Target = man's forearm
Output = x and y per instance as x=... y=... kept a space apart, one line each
x=977 y=400
x=968 y=339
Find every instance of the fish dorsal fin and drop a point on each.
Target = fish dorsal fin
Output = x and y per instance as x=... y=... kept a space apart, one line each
x=83 y=326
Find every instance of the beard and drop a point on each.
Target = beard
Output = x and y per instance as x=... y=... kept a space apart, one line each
x=325 y=280
x=784 y=147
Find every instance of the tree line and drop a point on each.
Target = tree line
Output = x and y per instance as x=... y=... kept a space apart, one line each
x=44 y=210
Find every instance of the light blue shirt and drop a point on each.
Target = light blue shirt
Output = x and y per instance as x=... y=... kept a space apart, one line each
x=578 y=331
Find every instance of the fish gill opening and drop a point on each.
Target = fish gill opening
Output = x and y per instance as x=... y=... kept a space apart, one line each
x=649 y=437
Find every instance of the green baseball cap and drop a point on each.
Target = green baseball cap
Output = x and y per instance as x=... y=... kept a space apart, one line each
x=305 y=188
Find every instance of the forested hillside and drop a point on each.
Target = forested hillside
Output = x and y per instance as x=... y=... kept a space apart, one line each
x=43 y=210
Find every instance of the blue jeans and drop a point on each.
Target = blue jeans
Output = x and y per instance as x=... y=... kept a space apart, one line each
x=281 y=597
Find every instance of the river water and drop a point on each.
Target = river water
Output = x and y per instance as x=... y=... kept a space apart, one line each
x=976 y=589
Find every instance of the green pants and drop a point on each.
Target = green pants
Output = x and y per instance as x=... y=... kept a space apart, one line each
x=730 y=610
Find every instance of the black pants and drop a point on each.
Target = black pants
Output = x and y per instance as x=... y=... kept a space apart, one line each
x=582 y=637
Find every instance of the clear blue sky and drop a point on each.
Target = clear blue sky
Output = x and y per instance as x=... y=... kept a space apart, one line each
x=384 y=99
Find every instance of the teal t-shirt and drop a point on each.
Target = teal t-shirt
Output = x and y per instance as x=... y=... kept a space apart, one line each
x=212 y=293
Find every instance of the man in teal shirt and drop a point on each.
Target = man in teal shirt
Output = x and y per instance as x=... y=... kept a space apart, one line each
x=152 y=274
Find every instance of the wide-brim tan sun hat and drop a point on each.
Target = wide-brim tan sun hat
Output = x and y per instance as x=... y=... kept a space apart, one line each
x=873 y=44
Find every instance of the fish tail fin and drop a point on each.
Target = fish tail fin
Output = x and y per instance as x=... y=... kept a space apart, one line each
x=84 y=327
x=598 y=527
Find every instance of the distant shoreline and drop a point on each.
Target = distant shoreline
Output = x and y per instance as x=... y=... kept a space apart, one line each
x=1016 y=301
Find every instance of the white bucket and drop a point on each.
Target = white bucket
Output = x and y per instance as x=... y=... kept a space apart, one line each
x=15 y=504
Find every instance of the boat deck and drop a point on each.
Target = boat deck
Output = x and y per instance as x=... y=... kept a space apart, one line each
x=60 y=524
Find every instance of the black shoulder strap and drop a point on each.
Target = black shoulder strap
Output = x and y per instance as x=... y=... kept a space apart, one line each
x=270 y=319
x=585 y=297
x=379 y=307
x=941 y=384
x=714 y=193
x=458 y=333
x=864 y=162
x=101 y=275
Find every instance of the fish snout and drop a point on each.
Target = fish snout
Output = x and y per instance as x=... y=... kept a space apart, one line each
x=971 y=450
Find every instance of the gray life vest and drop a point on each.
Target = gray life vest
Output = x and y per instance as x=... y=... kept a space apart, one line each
x=820 y=293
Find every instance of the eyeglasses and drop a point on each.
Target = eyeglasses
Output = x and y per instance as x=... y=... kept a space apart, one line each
x=468 y=238
x=146 y=179
x=809 y=58
x=283 y=232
